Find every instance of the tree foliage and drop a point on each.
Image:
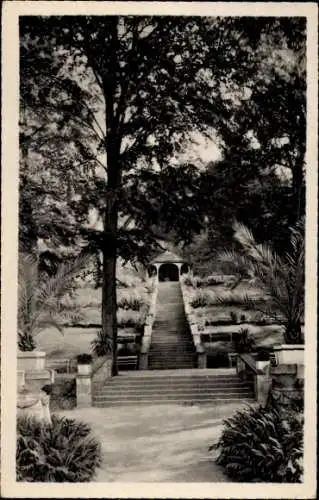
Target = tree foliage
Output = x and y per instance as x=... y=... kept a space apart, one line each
x=126 y=93
x=40 y=300
x=280 y=277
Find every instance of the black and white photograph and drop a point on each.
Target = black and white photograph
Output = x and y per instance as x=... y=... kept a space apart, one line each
x=159 y=249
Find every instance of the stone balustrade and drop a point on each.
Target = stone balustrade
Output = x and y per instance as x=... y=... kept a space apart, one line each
x=200 y=350
x=148 y=325
x=247 y=370
x=91 y=376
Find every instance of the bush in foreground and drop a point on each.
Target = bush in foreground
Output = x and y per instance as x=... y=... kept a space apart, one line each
x=262 y=445
x=62 y=452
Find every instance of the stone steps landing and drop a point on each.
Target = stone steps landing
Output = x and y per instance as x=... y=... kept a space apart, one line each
x=182 y=387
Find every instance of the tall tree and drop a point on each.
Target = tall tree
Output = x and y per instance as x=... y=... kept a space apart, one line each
x=157 y=79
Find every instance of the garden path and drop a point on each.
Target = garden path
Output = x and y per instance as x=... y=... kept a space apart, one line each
x=167 y=443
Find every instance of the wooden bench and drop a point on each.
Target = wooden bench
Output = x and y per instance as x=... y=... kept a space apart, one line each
x=232 y=359
x=127 y=361
x=56 y=364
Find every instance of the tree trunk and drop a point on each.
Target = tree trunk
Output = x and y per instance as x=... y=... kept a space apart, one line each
x=109 y=302
x=114 y=180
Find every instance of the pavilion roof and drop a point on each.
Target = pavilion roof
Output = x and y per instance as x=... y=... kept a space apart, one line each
x=167 y=257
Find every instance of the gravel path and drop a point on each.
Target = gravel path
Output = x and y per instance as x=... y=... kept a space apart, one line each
x=158 y=444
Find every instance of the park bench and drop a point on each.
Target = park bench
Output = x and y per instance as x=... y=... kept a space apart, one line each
x=127 y=361
x=65 y=365
x=232 y=358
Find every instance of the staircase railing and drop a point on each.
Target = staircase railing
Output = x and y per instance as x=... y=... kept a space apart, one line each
x=200 y=349
x=247 y=370
x=148 y=326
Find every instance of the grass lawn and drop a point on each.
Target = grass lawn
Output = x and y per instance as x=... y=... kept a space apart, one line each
x=132 y=291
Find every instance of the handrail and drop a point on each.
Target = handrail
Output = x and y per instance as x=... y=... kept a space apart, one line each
x=250 y=363
x=148 y=324
x=192 y=325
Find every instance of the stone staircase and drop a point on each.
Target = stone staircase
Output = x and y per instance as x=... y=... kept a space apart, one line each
x=188 y=386
x=172 y=344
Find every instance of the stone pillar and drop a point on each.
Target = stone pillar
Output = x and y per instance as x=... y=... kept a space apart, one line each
x=201 y=360
x=262 y=388
x=84 y=387
x=179 y=266
x=143 y=361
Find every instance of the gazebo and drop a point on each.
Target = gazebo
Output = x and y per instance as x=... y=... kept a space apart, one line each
x=168 y=266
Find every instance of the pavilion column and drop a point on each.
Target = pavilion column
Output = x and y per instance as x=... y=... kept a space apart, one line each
x=157 y=269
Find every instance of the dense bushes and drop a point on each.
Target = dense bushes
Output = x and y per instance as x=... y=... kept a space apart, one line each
x=63 y=394
x=201 y=299
x=132 y=302
x=262 y=445
x=198 y=282
x=62 y=452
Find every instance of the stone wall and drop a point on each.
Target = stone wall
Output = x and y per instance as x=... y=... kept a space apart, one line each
x=287 y=388
x=93 y=376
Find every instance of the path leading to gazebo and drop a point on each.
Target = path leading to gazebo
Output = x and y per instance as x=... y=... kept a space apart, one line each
x=166 y=443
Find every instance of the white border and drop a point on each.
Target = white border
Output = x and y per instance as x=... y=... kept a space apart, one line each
x=10 y=164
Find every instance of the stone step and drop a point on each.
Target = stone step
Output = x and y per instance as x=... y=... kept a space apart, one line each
x=182 y=389
x=172 y=397
x=172 y=353
x=171 y=342
x=170 y=357
x=174 y=343
x=202 y=374
x=205 y=373
x=171 y=366
x=152 y=402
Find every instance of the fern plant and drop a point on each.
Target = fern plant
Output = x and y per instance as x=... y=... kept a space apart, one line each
x=262 y=445
x=281 y=278
x=243 y=341
x=63 y=451
x=40 y=298
x=102 y=344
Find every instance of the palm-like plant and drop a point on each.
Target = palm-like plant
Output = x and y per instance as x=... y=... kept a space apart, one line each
x=40 y=301
x=281 y=278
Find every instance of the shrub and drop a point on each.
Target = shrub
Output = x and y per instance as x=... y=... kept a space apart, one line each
x=201 y=299
x=84 y=359
x=233 y=316
x=102 y=344
x=64 y=451
x=263 y=354
x=63 y=394
x=193 y=281
x=262 y=445
x=231 y=299
x=243 y=341
x=130 y=319
x=130 y=302
x=212 y=281
x=26 y=342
